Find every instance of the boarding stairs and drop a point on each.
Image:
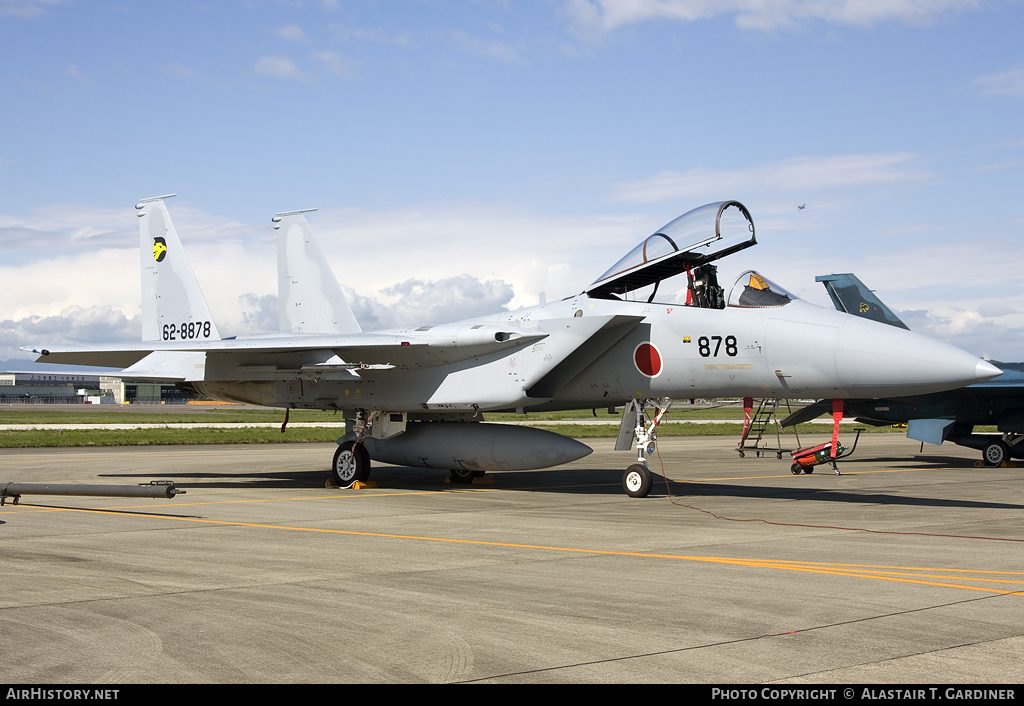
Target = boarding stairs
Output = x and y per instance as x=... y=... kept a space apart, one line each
x=760 y=427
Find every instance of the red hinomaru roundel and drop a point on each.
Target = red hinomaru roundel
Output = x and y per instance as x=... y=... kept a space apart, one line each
x=647 y=359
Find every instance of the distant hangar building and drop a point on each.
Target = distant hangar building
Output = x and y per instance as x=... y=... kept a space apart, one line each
x=75 y=388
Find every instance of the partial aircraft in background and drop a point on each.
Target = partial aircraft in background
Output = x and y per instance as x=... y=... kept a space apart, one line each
x=936 y=417
x=415 y=396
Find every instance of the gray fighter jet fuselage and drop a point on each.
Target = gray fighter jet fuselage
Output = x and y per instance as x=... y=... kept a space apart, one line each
x=935 y=417
x=409 y=393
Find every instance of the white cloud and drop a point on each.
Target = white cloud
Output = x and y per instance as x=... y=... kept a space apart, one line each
x=421 y=302
x=78 y=75
x=73 y=325
x=63 y=226
x=402 y=267
x=91 y=278
x=801 y=175
x=607 y=15
x=376 y=35
x=533 y=254
x=292 y=33
x=279 y=67
x=334 y=63
x=416 y=266
x=175 y=70
x=1007 y=83
x=27 y=9
x=491 y=48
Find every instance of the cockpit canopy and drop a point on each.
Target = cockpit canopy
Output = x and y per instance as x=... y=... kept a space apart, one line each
x=686 y=244
x=753 y=290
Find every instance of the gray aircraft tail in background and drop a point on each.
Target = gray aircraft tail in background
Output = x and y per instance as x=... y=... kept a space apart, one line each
x=851 y=295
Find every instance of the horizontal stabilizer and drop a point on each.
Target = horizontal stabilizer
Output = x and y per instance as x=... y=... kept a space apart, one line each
x=167 y=365
x=931 y=431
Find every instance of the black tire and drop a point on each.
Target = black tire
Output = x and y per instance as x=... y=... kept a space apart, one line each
x=809 y=469
x=797 y=469
x=461 y=475
x=995 y=453
x=637 y=481
x=351 y=464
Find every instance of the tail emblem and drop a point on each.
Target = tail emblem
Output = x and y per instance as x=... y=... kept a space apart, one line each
x=159 y=249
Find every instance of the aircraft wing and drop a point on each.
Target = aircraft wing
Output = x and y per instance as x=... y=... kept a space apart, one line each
x=426 y=347
x=357 y=349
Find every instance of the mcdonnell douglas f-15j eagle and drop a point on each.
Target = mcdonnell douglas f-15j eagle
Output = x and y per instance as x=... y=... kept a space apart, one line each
x=416 y=396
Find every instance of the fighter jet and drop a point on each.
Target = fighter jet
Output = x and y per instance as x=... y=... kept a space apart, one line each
x=417 y=396
x=936 y=417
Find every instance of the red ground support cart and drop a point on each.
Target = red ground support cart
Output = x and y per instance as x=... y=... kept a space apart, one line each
x=804 y=460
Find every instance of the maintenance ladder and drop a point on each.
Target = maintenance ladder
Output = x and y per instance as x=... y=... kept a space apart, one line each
x=764 y=417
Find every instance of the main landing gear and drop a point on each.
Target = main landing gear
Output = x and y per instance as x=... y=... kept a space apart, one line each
x=995 y=453
x=638 y=480
x=351 y=464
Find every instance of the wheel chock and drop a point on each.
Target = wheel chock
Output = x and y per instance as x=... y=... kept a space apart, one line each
x=357 y=485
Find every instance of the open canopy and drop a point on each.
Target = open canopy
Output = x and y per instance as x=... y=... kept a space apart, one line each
x=698 y=237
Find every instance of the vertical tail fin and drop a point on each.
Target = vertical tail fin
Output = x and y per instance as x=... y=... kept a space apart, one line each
x=173 y=307
x=849 y=294
x=309 y=296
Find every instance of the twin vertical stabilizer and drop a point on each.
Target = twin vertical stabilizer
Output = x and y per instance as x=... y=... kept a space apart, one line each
x=173 y=306
x=310 y=299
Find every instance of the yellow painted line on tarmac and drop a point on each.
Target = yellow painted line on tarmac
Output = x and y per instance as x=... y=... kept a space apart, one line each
x=864 y=571
x=826 y=473
x=120 y=509
x=885 y=567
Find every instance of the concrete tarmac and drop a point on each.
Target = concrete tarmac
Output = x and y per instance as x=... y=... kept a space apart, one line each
x=907 y=568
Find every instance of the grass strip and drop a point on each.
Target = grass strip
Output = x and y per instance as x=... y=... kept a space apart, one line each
x=98 y=436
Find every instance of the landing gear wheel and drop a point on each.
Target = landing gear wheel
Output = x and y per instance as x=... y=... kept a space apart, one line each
x=995 y=453
x=797 y=469
x=461 y=475
x=637 y=481
x=351 y=464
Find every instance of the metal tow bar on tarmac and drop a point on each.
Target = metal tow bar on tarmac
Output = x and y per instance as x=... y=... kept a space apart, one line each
x=153 y=489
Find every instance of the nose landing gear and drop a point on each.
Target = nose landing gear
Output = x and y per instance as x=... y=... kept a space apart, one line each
x=637 y=480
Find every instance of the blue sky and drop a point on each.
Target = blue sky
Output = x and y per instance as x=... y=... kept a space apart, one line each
x=466 y=156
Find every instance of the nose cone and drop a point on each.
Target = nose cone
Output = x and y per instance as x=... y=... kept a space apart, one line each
x=987 y=371
x=875 y=360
